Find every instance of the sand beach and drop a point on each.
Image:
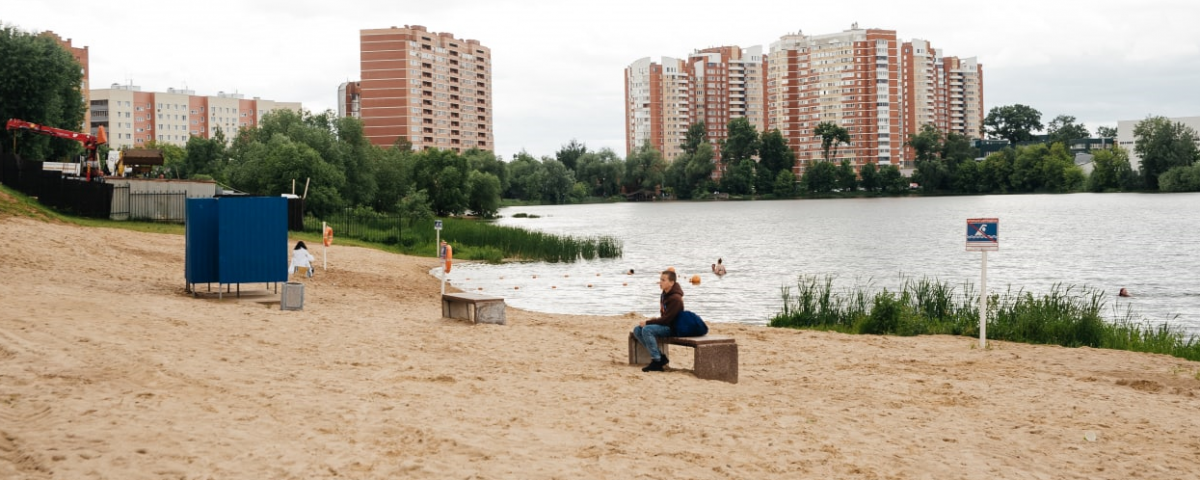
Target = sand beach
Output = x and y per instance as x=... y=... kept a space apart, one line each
x=110 y=370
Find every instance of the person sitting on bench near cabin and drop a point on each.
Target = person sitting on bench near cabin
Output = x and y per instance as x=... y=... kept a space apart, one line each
x=670 y=304
x=301 y=258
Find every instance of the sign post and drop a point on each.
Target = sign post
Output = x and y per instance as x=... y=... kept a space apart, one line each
x=983 y=235
x=437 y=227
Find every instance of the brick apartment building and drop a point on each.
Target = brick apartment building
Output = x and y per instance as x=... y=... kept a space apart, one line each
x=864 y=80
x=432 y=89
x=132 y=118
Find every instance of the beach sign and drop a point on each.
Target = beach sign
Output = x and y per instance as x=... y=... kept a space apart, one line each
x=437 y=225
x=983 y=234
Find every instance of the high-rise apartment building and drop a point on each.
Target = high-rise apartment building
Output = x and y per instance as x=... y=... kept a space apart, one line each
x=81 y=56
x=132 y=118
x=851 y=79
x=714 y=85
x=349 y=99
x=864 y=80
x=431 y=89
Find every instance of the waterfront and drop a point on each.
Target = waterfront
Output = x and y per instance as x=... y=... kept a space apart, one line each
x=1104 y=241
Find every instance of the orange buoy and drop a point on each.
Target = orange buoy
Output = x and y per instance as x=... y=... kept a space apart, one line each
x=695 y=279
x=670 y=269
x=553 y=286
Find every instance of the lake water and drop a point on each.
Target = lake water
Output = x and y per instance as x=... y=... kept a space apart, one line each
x=1142 y=242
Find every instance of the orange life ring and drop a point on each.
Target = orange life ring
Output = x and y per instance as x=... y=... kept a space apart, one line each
x=328 y=236
x=449 y=256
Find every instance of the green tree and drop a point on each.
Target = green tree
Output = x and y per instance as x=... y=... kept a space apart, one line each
x=392 y=175
x=1180 y=179
x=785 y=184
x=738 y=178
x=831 y=135
x=1110 y=170
x=488 y=162
x=39 y=82
x=569 y=154
x=204 y=159
x=527 y=175
x=820 y=177
x=601 y=171
x=1104 y=131
x=892 y=180
x=1015 y=123
x=484 y=199
x=1163 y=145
x=741 y=143
x=644 y=168
x=558 y=183
x=443 y=174
x=774 y=156
x=847 y=180
x=926 y=144
x=870 y=177
x=697 y=134
x=173 y=156
x=1064 y=129
x=268 y=168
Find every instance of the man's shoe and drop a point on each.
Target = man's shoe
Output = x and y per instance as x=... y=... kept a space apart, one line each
x=665 y=360
x=654 y=366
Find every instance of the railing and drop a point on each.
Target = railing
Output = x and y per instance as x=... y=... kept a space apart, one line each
x=152 y=206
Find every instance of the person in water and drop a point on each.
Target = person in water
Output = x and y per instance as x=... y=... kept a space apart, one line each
x=1124 y=293
x=718 y=268
x=670 y=304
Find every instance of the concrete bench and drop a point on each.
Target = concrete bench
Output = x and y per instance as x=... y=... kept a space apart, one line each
x=716 y=357
x=474 y=307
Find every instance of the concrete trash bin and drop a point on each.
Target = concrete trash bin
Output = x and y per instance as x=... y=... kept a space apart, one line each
x=292 y=297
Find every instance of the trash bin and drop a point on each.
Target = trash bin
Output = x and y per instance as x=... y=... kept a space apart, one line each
x=292 y=297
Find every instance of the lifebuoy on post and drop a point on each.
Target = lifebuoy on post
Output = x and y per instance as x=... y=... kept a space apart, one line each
x=449 y=256
x=328 y=236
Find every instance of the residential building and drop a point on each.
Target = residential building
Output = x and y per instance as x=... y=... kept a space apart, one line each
x=349 y=99
x=1127 y=141
x=714 y=85
x=81 y=56
x=431 y=89
x=851 y=79
x=865 y=80
x=132 y=118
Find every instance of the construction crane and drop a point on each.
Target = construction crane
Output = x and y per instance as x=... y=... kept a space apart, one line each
x=90 y=142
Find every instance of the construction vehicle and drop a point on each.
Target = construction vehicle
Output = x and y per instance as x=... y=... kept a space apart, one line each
x=90 y=142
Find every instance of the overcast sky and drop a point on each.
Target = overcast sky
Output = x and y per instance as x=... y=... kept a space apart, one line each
x=558 y=66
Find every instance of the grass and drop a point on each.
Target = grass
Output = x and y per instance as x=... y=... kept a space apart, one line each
x=17 y=204
x=1066 y=315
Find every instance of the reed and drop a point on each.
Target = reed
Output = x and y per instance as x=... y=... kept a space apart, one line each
x=1067 y=315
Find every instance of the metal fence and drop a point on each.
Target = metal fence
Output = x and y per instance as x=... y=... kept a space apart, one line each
x=151 y=206
x=379 y=228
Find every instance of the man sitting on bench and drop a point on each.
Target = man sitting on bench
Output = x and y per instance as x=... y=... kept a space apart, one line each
x=670 y=304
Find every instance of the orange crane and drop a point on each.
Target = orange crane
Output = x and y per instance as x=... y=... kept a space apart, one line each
x=90 y=142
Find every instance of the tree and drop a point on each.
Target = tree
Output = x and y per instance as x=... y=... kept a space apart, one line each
x=1104 y=131
x=1180 y=179
x=40 y=83
x=204 y=158
x=774 y=156
x=600 y=171
x=926 y=144
x=569 y=154
x=484 y=199
x=527 y=175
x=738 y=178
x=892 y=180
x=785 y=184
x=820 y=177
x=559 y=181
x=488 y=162
x=831 y=136
x=847 y=180
x=1163 y=145
x=697 y=134
x=1063 y=129
x=173 y=156
x=269 y=167
x=644 y=168
x=1015 y=123
x=870 y=177
x=1110 y=170
x=443 y=174
x=741 y=143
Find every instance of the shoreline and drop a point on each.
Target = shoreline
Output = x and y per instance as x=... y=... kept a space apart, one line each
x=109 y=370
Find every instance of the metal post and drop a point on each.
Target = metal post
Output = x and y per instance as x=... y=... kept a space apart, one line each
x=437 y=243
x=983 y=303
x=325 y=249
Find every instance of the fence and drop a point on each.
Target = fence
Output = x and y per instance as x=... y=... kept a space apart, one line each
x=379 y=227
x=152 y=206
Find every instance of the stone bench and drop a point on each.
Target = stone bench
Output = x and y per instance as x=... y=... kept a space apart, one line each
x=474 y=307
x=716 y=357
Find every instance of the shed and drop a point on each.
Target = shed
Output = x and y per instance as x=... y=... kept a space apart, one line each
x=235 y=240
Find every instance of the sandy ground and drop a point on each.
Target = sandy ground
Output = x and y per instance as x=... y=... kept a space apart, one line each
x=108 y=369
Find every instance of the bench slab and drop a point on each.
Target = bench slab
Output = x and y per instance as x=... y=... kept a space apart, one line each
x=475 y=307
x=715 y=357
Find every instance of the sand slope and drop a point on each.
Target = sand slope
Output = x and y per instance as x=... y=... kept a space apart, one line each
x=108 y=369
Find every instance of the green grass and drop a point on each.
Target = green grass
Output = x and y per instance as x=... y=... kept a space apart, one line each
x=22 y=205
x=1066 y=315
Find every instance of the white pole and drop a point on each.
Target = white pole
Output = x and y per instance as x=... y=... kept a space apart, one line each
x=437 y=243
x=983 y=303
x=324 y=251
